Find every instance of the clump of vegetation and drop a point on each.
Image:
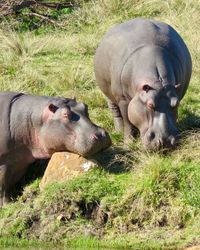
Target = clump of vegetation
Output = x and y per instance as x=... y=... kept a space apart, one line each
x=26 y=15
x=137 y=199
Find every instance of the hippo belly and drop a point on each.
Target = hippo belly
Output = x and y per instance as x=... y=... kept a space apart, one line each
x=144 y=67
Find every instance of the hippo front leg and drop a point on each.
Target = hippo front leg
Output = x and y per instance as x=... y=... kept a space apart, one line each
x=117 y=117
x=129 y=130
x=4 y=183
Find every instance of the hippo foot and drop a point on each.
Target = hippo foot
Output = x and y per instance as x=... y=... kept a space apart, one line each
x=119 y=124
x=128 y=140
x=130 y=134
x=4 y=202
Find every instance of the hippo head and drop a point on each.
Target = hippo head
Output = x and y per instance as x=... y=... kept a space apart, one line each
x=153 y=112
x=67 y=127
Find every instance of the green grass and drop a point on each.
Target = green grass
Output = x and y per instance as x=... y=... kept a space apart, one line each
x=136 y=200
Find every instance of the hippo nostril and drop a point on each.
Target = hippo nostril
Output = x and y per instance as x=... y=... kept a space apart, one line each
x=94 y=137
x=151 y=136
x=103 y=133
x=160 y=143
x=98 y=135
x=173 y=140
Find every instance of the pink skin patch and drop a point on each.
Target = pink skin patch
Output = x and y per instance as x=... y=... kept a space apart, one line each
x=150 y=105
x=48 y=112
x=38 y=150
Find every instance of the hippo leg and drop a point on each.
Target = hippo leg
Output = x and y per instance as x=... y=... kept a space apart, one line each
x=118 y=120
x=129 y=130
x=4 y=195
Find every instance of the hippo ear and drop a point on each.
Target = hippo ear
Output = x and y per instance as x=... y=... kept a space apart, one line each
x=48 y=112
x=174 y=98
x=174 y=101
x=52 y=108
x=74 y=98
x=177 y=86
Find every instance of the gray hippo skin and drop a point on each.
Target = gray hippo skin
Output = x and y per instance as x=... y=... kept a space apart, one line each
x=34 y=127
x=144 y=68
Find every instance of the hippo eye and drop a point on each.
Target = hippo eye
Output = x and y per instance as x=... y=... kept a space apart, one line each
x=146 y=88
x=75 y=117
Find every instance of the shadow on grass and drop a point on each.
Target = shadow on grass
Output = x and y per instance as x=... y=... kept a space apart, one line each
x=115 y=160
x=35 y=170
x=190 y=121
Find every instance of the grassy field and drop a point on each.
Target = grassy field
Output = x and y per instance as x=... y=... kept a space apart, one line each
x=137 y=199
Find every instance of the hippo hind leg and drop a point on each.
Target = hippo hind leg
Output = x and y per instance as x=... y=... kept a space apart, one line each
x=118 y=120
x=4 y=183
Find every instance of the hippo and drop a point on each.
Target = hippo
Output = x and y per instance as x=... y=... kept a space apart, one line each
x=35 y=127
x=143 y=67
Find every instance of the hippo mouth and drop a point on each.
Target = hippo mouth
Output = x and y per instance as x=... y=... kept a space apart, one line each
x=155 y=142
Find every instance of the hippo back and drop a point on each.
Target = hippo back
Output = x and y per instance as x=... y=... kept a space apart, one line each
x=143 y=67
x=6 y=100
x=123 y=40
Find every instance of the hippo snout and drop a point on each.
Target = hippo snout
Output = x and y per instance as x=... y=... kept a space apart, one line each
x=152 y=141
x=100 y=140
x=100 y=135
x=96 y=141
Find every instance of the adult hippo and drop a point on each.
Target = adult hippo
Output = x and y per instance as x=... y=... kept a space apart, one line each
x=144 y=68
x=34 y=127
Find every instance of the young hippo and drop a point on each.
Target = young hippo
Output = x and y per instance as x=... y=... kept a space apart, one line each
x=34 y=127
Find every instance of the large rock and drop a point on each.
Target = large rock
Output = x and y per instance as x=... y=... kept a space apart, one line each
x=65 y=166
x=193 y=248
